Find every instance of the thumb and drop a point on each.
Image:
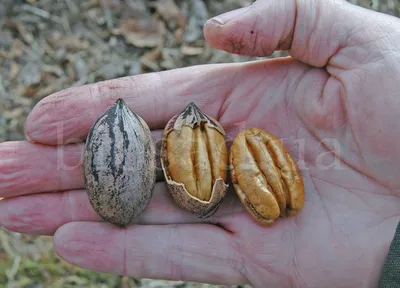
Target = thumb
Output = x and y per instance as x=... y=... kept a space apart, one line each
x=312 y=30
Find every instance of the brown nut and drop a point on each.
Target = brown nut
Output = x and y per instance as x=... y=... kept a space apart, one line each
x=265 y=176
x=194 y=160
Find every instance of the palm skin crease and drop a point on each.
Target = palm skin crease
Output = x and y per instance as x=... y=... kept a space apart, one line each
x=334 y=105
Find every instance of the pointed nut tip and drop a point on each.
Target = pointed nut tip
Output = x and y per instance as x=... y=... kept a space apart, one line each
x=120 y=101
x=192 y=105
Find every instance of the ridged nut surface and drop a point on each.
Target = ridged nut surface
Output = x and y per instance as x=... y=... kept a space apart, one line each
x=265 y=176
x=194 y=161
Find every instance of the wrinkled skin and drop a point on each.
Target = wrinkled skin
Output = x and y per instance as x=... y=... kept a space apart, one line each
x=339 y=87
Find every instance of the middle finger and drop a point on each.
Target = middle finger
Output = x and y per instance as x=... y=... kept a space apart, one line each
x=27 y=168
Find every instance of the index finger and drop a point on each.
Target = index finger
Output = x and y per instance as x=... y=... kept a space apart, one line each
x=67 y=116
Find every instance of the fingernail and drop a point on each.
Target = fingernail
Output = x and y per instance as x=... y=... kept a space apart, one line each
x=226 y=17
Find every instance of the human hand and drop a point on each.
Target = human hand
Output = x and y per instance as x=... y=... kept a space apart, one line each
x=334 y=104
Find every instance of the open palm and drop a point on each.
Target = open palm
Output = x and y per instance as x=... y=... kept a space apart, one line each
x=337 y=115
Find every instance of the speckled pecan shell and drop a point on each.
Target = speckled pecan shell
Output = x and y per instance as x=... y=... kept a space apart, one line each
x=119 y=165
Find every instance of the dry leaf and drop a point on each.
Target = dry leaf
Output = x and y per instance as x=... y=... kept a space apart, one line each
x=14 y=113
x=191 y=51
x=171 y=58
x=179 y=35
x=142 y=32
x=16 y=49
x=198 y=17
x=30 y=74
x=134 y=9
x=5 y=39
x=170 y=12
x=150 y=59
x=52 y=87
x=25 y=35
x=73 y=43
x=153 y=54
x=14 y=70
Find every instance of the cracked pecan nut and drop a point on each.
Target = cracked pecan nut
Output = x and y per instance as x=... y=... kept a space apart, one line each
x=119 y=165
x=265 y=176
x=194 y=160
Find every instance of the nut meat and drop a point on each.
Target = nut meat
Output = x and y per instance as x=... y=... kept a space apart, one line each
x=265 y=176
x=194 y=160
x=119 y=165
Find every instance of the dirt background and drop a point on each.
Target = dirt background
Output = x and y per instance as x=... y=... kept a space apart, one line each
x=48 y=45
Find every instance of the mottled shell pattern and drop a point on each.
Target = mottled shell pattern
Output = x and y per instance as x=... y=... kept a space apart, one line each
x=119 y=165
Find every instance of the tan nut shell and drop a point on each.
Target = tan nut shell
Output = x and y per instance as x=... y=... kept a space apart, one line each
x=193 y=117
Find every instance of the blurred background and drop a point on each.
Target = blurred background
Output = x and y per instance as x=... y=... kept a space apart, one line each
x=48 y=45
